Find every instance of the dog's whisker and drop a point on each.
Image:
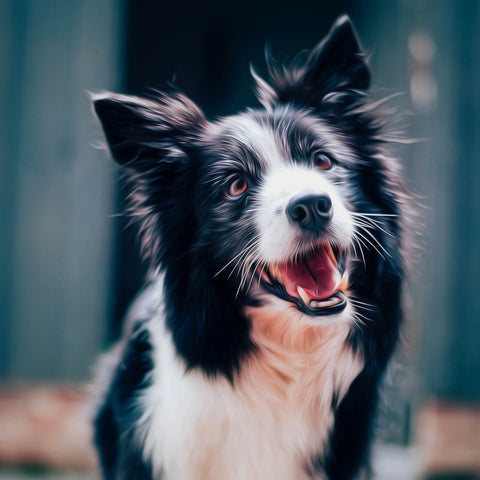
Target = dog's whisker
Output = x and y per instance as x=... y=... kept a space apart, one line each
x=245 y=273
x=363 y=318
x=261 y=272
x=360 y=243
x=363 y=214
x=245 y=267
x=257 y=263
x=357 y=322
x=370 y=243
x=370 y=234
x=229 y=263
x=364 y=306
x=360 y=302
x=371 y=223
x=239 y=265
x=243 y=252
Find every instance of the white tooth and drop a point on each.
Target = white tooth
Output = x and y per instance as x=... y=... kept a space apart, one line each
x=338 y=300
x=344 y=283
x=325 y=303
x=331 y=254
x=329 y=303
x=303 y=295
x=279 y=275
x=276 y=273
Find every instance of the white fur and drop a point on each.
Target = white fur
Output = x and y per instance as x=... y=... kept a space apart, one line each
x=268 y=425
x=258 y=138
x=278 y=237
x=282 y=180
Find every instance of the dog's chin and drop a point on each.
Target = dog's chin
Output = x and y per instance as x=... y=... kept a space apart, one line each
x=314 y=283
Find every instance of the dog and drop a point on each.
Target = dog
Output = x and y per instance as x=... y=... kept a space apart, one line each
x=275 y=238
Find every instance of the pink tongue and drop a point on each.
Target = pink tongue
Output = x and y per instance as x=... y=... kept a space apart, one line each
x=317 y=274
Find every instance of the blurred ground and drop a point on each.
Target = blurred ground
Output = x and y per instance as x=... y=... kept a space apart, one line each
x=16 y=475
x=47 y=428
x=390 y=463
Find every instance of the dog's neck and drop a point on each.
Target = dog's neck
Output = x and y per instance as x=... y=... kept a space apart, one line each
x=297 y=358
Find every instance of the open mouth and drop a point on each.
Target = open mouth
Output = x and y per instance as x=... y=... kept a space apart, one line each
x=315 y=282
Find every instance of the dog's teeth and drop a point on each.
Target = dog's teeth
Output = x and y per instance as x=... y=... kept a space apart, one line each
x=303 y=295
x=330 y=253
x=330 y=302
x=344 y=283
x=276 y=273
x=325 y=303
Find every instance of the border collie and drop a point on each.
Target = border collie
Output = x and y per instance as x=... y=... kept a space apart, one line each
x=275 y=243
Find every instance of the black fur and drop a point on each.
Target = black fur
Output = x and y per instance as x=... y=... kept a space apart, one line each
x=178 y=169
x=119 y=452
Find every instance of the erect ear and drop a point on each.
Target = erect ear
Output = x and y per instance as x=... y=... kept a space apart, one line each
x=139 y=131
x=338 y=61
x=336 y=64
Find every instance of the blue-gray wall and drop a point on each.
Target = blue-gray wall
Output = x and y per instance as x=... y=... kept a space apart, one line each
x=429 y=50
x=56 y=191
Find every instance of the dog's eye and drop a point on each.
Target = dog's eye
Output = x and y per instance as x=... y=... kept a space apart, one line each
x=323 y=161
x=237 y=186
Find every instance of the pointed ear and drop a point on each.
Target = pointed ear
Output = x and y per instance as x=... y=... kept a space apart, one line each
x=336 y=64
x=140 y=130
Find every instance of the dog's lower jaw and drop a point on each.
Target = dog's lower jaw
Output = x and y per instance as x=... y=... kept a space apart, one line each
x=269 y=424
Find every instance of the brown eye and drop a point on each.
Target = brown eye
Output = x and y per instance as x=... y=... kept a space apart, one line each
x=323 y=161
x=237 y=186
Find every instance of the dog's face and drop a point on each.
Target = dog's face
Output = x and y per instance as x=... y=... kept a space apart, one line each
x=294 y=202
x=272 y=201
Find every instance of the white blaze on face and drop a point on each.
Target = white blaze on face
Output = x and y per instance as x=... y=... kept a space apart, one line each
x=259 y=139
x=279 y=237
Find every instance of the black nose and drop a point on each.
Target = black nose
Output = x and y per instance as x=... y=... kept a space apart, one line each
x=310 y=212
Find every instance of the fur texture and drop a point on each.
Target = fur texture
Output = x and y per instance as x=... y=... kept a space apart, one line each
x=275 y=241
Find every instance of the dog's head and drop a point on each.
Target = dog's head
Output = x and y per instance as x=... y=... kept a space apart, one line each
x=292 y=202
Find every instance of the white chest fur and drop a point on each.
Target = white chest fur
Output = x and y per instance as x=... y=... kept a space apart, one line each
x=268 y=425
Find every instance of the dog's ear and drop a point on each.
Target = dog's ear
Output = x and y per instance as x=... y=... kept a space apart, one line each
x=153 y=140
x=141 y=131
x=336 y=64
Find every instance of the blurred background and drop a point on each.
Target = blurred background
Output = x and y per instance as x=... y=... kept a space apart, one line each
x=69 y=264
